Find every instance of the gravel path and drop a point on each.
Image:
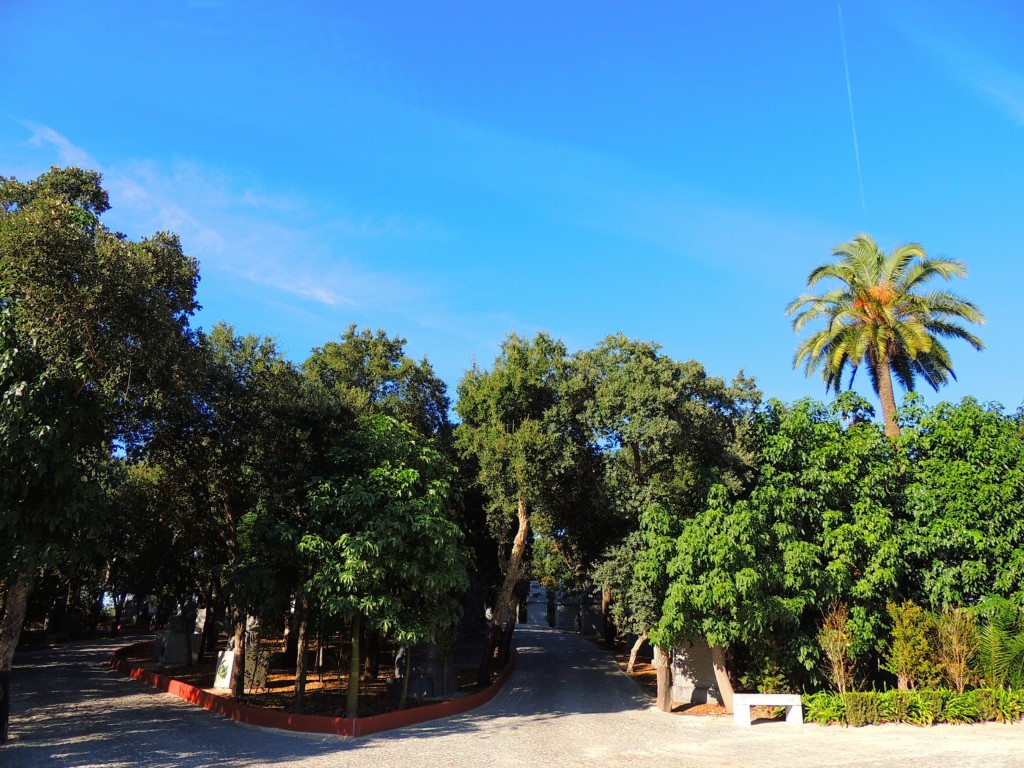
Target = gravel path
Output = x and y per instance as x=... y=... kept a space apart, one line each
x=566 y=704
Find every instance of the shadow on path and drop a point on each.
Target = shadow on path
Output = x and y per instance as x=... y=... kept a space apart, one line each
x=69 y=708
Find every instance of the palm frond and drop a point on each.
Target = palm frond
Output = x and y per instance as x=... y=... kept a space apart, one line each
x=876 y=313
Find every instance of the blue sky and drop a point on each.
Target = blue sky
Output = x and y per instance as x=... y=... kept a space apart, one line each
x=454 y=172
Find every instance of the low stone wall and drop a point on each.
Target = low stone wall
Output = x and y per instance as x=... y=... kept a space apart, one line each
x=339 y=726
x=693 y=673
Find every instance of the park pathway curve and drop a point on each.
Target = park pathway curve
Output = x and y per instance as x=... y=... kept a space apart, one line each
x=566 y=704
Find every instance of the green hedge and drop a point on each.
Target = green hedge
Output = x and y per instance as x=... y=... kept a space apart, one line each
x=914 y=707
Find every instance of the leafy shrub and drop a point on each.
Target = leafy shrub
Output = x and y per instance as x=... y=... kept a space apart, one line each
x=901 y=705
x=929 y=706
x=959 y=708
x=764 y=675
x=825 y=708
x=921 y=708
x=861 y=708
x=914 y=707
x=910 y=652
x=1009 y=705
x=886 y=705
x=917 y=713
x=988 y=710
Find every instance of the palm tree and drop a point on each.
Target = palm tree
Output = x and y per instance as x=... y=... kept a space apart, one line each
x=878 y=317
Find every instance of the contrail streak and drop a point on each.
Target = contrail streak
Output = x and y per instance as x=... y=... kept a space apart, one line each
x=853 y=122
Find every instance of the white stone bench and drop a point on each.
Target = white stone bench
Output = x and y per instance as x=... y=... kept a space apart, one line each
x=742 y=702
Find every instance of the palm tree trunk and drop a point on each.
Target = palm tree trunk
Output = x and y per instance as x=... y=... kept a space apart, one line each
x=885 y=394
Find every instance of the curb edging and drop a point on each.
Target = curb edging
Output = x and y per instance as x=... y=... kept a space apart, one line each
x=338 y=726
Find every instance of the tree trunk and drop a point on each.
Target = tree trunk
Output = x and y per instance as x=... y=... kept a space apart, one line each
x=501 y=608
x=352 y=693
x=15 y=603
x=208 y=640
x=188 y=627
x=238 y=670
x=662 y=665
x=902 y=683
x=405 y=677
x=291 y=634
x=505 y=648
x=722 y=676
x=302 y=616
x=885 y=394
x=607 y=623
x=637 y=464
x=371 y=655
x=119 y=602
x=636 y=649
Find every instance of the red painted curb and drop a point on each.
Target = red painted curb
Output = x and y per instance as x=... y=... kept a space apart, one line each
x=340 y=726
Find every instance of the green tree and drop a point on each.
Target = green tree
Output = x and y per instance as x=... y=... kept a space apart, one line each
x=665 y=432
x=880 y=317
x=230 y=443
x=94 y=329
x=818 y=527
x=965 y=502
x=384 y=552
x=508 y=425
x=370 y=373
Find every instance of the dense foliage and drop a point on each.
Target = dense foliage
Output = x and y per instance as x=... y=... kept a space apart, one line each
x=146 y=460
x=837 y=513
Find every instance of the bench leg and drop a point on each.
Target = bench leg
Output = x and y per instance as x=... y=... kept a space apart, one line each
x=795 y=714
x=741 y=714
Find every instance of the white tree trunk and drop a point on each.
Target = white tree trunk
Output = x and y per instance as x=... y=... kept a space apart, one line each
x=722 y=676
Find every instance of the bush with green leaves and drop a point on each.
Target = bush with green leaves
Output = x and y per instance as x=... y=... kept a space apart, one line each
x=825 y=708
x=861 y=708
x=910 y=653
x=917 y=707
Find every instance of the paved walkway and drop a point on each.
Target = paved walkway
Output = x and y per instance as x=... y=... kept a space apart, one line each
x=566 y=704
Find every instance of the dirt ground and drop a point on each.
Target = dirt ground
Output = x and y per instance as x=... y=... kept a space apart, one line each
x=325 y=688
x=647 y=678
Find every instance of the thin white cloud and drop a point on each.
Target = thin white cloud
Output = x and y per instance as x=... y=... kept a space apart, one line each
x=268 y=239
x=1006 y=89
x=67 y=153
x=1001 y=85
x=608 y=196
